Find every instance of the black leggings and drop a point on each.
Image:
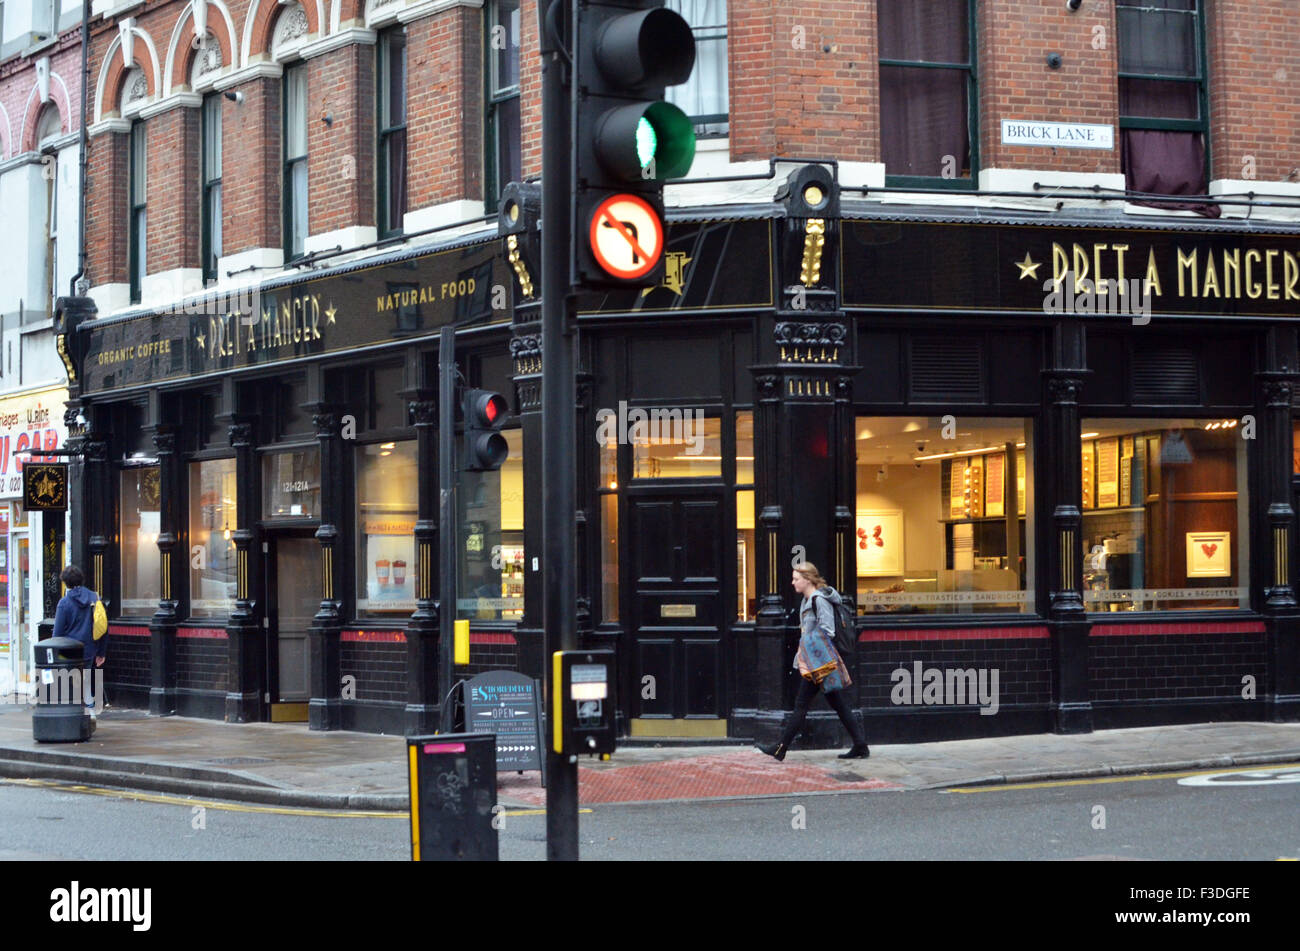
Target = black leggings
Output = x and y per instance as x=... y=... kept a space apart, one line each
x=839 y=703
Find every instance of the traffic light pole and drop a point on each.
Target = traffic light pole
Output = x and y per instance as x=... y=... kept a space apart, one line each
x=446 y=510
x=559 y=421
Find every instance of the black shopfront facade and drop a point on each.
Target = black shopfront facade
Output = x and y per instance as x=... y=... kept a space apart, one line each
x=1049 y=518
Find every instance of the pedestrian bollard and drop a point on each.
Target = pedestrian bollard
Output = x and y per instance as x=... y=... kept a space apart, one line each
x=60 y=713
x=453 y=779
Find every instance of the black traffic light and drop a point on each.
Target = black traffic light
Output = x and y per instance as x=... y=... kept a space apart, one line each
x=517 y=224
x=627 y=141
x=484 y=413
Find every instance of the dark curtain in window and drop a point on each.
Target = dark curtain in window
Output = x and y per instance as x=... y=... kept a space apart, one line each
x=396 y=147
x=923 y=111
x=1167 y=163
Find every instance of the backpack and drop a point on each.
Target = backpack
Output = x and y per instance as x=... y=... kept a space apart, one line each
x=101 y=620
x=844 y=629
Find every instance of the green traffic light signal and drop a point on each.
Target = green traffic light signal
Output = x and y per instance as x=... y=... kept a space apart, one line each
x=645 y=141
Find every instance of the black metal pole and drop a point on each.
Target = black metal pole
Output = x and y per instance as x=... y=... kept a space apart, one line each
x=447 y=533
x=559 y=420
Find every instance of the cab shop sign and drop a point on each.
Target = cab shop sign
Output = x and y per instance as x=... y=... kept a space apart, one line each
x=33 y=421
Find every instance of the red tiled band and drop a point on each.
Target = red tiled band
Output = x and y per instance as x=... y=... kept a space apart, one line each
x=124 y=631
x=1191 y=627
x=211 y=632
x=371 y=637
x=953 y=634
x=494 y=637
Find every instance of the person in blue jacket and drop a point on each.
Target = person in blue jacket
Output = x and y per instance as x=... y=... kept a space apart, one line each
x=75 y=618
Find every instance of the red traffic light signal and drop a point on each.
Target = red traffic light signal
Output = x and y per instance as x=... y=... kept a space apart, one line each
x=485 y=448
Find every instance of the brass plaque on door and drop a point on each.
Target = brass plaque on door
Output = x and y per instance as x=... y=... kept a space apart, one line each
x=677 y=610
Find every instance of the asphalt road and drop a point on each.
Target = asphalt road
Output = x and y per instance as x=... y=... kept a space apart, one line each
x=1245 y=817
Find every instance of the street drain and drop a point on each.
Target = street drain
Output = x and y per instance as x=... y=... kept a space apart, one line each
x=237 y=761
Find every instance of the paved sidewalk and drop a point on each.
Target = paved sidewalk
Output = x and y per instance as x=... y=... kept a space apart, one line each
x=287 y=764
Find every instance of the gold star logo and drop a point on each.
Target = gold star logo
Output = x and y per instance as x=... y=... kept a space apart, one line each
x=1029 y=267
x=330 y=312
x=202 y=339
x=45 y=487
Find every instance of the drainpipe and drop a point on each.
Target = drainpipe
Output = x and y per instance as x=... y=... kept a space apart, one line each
x=85 y=71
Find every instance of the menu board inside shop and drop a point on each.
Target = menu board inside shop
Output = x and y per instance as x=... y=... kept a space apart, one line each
x=957 y=489
x=1107 y=473
x=1089 y=495
x=994 y=485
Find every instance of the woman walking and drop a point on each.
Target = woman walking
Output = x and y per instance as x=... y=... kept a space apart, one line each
x=820 y=663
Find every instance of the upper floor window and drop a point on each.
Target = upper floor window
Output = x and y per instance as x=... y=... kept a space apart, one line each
x=295 y=160
x=48 y=127
x=1162 y=102
x=392 y=131
x=704 y=96
x=211 y=176
x=136 y=258
x=504 y=155
x=928 y=110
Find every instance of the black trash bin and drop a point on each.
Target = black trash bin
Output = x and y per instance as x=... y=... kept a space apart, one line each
x=60 y=713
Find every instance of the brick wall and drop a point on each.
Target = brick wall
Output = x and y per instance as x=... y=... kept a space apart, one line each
x=1254 y=52
x=340 y=156
x=1023 y=665
x=803 y=79
x=108 y=172
x=250 y=168
x=173 y=190
x=444 y=57
x=1174 y=666
x=202 y=663
x=127 y=660
x=1015 y=81
x=379 y=667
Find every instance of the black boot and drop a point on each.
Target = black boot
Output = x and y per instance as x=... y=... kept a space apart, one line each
x=856 y=751
x=775 y=750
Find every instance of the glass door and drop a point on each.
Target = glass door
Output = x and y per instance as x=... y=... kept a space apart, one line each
x=19 y=613
x=295 y=566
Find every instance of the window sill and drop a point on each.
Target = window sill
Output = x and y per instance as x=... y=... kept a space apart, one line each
x=922 y=181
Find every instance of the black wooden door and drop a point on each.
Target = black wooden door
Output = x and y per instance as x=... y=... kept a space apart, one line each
x=678 y=543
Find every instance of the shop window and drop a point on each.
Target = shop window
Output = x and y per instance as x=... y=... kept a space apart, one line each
x=503 y=120
x=138 y=217
x=491 y=542
x=213 y=519
x=291 y=484
x=703 y=97
x=1162 y=101
x=746 y=553
x=945 y=510
x=609 y=557
x=211 y=177
x=672 y=443
x=927 y=86
x=1165 y=515
x=392 y=130
x=141 y=564
x=387 y=486
x=295 y=160
x=608 y=491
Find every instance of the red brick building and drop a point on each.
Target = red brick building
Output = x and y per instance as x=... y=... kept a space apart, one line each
x=330 y=151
